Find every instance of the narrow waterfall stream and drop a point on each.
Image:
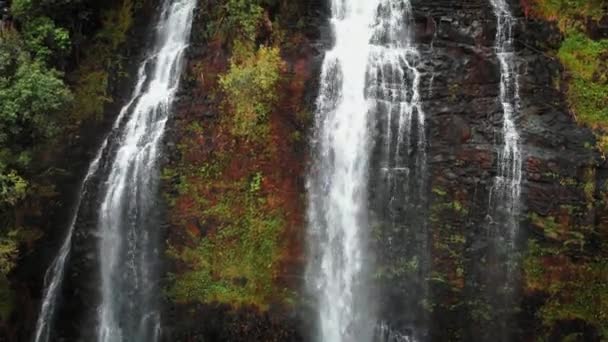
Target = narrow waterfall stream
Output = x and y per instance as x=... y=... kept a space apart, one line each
x=53 y=278
x=369 y=79
x=502 y=275
x=129 y=246
x=507 y=187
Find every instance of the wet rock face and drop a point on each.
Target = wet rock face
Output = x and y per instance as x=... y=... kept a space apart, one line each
x=460 y=87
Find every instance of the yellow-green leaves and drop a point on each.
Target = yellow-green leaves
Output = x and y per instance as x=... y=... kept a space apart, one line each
x=251 y=89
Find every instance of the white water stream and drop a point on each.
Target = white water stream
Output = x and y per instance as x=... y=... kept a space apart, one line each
x=368 y=67
x=128 y=310
x=128 y=245
x=507 y=185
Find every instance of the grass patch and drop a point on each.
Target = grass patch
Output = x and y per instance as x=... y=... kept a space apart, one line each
x=587 y=62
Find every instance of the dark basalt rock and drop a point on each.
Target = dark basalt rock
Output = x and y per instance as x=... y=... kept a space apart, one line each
x=460 y=88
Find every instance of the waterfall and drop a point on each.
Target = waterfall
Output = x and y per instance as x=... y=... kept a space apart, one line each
x=127 y=245
x=507 y=185
x=55 y=273
x=338 y=181
x=53 y=278
x=502 y=258
x=128 y=241
x=369 y=76
x=399 y=183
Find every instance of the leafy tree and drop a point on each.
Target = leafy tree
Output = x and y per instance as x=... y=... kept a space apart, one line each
x=28 y=101
x=31 y=95
x=45 y=40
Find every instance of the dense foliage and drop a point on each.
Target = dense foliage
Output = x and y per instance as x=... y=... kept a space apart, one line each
x=32 y=97
x=55 y=61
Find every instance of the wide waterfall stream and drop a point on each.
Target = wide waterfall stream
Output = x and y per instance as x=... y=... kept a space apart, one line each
x=338 y=186
x=369 y=78
x=129 y=246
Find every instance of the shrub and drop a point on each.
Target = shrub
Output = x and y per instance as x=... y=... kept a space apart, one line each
x=251 y=89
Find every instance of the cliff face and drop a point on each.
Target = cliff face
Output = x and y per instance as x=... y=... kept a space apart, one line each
x=561 y=225
x=235 y=184
x=236 y=159
x=562 y=168
x=561 y=228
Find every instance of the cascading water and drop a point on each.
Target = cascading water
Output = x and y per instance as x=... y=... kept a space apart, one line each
x=128 y=244
x=399 y=180
x=507 y=185
x=338 y=181
x=54 y=275
x=53 y=278
x=368 y=77
x=502 y=257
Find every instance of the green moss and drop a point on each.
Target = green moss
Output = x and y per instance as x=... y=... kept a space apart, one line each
x=398 y=268
x=586 y=60
x=439 y=192
x=448 y=242
x=575 y=289
x=584 y=296
x=548 y=224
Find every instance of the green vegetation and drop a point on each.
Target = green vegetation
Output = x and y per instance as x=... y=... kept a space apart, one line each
x=235 y=263
x=568 y=13
x=567 y=266
x=236 y=243
x=251 y=89
x=587 y=62
x=47 y=88
x=448 y=247
x=575 y=290
x=244 y=17
x=585 y=59
x=101 y=59
x=32 y=97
